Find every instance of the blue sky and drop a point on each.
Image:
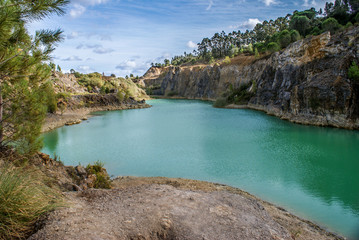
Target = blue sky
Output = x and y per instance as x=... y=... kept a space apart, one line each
x=125 y=36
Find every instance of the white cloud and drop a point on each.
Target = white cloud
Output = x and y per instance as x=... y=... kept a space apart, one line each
x=72 y=58
x=191 y=44
x=102 y=50
x=127 y=65
x=97 y=48
x=269 y=2
x=315 y=3
x=210 y=5
x=84 y=69
x=249 y=24
x=89 y=2
x=79 y=6
x=77 y=10
x=72 y=35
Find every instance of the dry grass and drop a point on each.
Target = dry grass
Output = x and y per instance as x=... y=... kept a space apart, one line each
x=24 y=198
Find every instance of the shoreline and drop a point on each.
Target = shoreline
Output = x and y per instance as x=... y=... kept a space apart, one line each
x=339 y=121
x=76 y=116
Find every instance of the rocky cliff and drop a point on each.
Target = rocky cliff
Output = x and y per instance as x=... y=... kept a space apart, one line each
x=305 y=83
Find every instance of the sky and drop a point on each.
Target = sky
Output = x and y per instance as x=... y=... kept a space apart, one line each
x=125 y=36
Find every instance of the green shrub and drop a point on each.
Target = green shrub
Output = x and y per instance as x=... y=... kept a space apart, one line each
x=63 y=95
x=123 y=95
x=24 y=198
x=77 y=75
x=294 y=35
x=353 y=72
x=331 y=24
x=220 y=102
x=242 y=94
x=284 y=38
x=300 y=23
x=95 y=168
x=95 y=82
x=102 y=178
x=172 y=93
x=356 y=18
x=273 y=47
x=316 y=31
x=120 y=96
x=256 y=53
x=348 y=25
x=105 y=89
x=261 y=47
x=227 y=60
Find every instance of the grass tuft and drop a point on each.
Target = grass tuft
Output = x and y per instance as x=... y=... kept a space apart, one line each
x=24 y=198
x=102 y=178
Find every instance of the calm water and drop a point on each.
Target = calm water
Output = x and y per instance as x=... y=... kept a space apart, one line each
x=311 y=171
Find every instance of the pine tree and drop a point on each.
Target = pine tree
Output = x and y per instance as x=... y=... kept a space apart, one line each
x=23 y=71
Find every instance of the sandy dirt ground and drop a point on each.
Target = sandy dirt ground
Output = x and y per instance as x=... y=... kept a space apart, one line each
x=164 y=208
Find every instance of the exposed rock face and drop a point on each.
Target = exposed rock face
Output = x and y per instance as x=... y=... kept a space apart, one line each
x=98 y=100
x=65 y=82
x=305 y=83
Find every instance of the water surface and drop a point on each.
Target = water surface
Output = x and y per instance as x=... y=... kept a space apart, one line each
x=311 y=171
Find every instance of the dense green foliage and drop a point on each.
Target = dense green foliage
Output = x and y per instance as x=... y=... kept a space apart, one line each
x=23 y=71
x=24 y=198
x=273 y=35
x=353 y=72
x=50 y=98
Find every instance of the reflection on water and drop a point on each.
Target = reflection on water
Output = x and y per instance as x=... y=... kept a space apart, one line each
x=52 y=141
x=311 y=171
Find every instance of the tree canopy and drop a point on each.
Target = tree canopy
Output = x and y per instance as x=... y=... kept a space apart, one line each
x=273 y=35
x=23 y=72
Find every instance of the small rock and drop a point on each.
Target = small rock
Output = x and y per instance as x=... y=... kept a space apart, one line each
x=45 y=157
x=90 y=181
x=81 y=170
x=69 y=123
x=166 y=223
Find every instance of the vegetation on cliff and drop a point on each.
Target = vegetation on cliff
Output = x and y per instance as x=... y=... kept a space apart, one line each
x=239 y=95
x=353 y=72
x=273 y=35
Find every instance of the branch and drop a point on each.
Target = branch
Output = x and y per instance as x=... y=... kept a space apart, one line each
x=18 y=54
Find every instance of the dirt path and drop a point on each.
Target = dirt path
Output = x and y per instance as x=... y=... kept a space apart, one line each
x=163 y=208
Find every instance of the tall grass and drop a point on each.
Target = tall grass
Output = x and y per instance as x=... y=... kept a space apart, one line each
x=23 y=199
